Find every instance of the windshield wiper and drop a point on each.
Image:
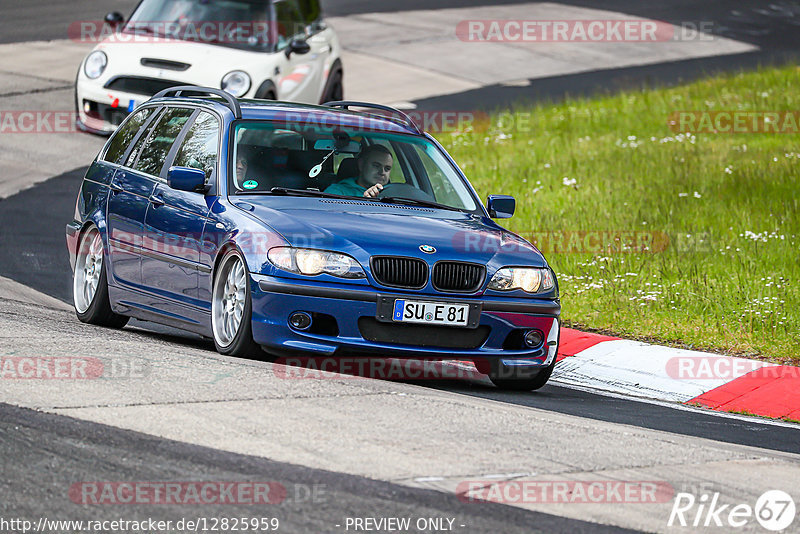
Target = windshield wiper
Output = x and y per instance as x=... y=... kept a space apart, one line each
x=417 y=202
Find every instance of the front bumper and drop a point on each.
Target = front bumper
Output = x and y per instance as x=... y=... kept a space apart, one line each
x=107 y=109
x=348 y=314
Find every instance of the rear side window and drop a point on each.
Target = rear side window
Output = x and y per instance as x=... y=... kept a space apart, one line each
x=199 y=149
x=159 y=141
x=123 y=136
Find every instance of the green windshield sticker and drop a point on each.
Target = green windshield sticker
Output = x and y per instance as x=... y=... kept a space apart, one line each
x=250 y=184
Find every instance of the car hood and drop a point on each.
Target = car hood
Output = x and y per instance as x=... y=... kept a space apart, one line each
x=364 y=228
x=124 y=58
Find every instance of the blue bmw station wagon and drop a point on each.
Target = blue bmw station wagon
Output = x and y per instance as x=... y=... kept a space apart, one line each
x=307 y=230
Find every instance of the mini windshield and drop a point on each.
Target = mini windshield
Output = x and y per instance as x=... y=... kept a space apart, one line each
x=235 y=23
x=344 y=161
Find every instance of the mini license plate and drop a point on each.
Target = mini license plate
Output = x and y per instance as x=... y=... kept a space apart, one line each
x=439 y=313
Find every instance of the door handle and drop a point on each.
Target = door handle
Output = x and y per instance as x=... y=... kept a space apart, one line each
x=156 y=201
x=115 y=188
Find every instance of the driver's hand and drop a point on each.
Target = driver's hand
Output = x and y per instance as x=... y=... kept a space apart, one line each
x=373 y=191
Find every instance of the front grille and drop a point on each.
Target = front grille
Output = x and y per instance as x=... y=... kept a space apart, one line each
x=446 y=337
x=140 y=86
x=458 y=276
x=392 y=271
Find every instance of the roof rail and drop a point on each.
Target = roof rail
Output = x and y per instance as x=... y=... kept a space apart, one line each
x=345 y=104
x=230 y=101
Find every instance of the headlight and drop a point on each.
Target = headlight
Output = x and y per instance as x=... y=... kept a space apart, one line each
x=526 y=278
x=95 y=64
x=236 y=83
x=313 y=262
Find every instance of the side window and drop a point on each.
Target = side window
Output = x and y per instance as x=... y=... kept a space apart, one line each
x=310 y=11
x=199 y=149
x=290 y=22
x=123 y=136
x=159 y=141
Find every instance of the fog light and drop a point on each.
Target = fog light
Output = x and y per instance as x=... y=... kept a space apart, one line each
x=300 y=320
x=533 y=338
x=87 y=107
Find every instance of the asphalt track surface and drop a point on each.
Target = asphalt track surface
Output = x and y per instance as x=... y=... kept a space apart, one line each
x=32 y=233
x=74 y=451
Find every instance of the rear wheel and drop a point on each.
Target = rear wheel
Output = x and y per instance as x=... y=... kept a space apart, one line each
x=520 y=378
x=90 y=283
x=231 y=308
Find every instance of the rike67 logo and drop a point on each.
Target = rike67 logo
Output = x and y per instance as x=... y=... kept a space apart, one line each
x=774 y=510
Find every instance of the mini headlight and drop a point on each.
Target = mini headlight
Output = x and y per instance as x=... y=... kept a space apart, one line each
x=528 y=279
x=236 y=82
x=95 y=64
x=313 y=262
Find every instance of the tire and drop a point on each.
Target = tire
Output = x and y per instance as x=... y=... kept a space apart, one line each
x=231 y=308
x=90 y=283
x=334 y=89
x=267 y=91
x=516 y=379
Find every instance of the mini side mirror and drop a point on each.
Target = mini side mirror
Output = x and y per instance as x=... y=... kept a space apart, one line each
x=298 y=46
x=500 y=206
x=186 y=179
x=114 y=19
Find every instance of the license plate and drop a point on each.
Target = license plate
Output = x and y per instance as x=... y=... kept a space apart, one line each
x=438 y=313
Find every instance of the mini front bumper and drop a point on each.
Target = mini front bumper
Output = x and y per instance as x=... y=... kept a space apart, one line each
x=354 y=309
x=107 y=108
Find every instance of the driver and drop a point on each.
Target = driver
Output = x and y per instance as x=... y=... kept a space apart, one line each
x=374 y=166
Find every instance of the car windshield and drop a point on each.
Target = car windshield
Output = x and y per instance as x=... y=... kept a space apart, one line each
x=234 y=23
x=305 y=159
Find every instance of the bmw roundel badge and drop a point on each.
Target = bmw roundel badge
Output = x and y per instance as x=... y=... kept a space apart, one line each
x=427 y=249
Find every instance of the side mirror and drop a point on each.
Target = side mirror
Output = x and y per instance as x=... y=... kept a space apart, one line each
x=500 y=206
x=298 y=46
x=114 y=19
x=186 y=179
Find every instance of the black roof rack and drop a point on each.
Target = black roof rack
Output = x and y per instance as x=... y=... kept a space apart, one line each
x=345 y=104
x=230 y=101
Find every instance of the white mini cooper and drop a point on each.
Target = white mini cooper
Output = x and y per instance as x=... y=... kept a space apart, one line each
x=271 y=49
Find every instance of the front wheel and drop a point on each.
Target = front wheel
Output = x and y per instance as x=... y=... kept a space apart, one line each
x=334 y=90
x=231 y=308
x=90 y=283
x=520 y=379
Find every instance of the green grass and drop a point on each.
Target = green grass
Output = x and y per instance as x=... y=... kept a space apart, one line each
x=728 y=278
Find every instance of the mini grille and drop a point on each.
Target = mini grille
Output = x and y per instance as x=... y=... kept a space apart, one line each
x=458 y=276
x=140 y=86
x=410 y=273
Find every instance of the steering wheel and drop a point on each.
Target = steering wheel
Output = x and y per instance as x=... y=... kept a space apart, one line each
x=405 y=191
